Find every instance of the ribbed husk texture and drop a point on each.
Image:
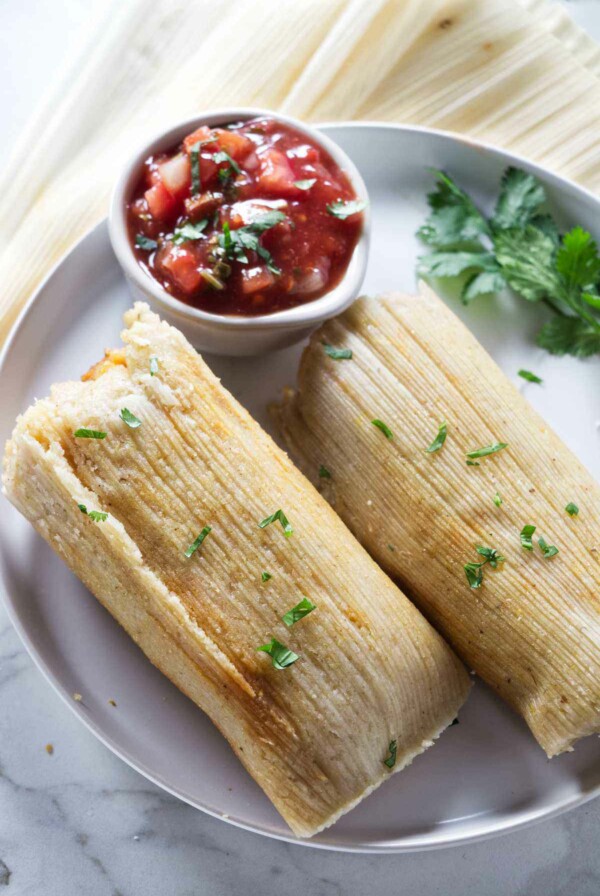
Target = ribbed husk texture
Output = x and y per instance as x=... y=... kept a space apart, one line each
x=532 y=630
x=371 y=669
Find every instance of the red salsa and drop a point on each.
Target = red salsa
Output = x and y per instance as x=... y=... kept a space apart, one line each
x=249 y=218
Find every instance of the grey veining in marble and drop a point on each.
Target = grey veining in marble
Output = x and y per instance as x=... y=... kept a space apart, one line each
x=80 y=821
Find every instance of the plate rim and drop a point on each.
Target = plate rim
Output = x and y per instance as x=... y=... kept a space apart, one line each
x=507 y=824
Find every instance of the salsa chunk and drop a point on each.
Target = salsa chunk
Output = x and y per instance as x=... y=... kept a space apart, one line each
x=245 y=219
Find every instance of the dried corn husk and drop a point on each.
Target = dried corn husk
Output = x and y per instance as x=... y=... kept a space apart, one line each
x=532 y=629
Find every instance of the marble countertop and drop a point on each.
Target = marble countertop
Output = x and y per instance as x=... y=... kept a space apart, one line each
x=80 y=821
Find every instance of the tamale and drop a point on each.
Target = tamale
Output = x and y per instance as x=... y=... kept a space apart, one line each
x=124 y=473
x=529 y=624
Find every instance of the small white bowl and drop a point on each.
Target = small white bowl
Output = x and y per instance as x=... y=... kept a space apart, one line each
x=235 y=335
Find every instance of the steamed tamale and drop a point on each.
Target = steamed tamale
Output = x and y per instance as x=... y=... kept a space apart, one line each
x=199 y=535
x=453 y=524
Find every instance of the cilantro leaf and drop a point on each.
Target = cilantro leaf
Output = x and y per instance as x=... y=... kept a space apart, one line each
x=265 y=576
x=439 y=439
x=281 y=656
x=548 y=550
x=285 y=524
x=474 y=571
x=324 y=473
x=130 y=419
x=338 y=354
x=577 y=259
x=222 y=156
x=390 y=760
x=526 y=535
x=492 y=556
x=526 y=257
x=98 y=516
x=189 y=231
x=454 y=219
x=483 y=284
x=450 y=264
x=572 y=509
x=144 y=242
x=344 y=209
x=497 y=500
x=89 y=433
x=570 y=336
x=235 y=243
x=197 y=541
x=489 y=449
x=305 y=184
x=298 y=612
x=384 y=428
x=521 y=196
x=474 y=574
x=530 y=377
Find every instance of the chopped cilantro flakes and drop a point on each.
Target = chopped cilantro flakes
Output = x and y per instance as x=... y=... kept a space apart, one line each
x=338 y=354
x=439 y=439
x=89 y=434
x=198 y=541
x=281 y=656
x=302 y=609
x=390 y=759
x=285 y=524
x=384 y=428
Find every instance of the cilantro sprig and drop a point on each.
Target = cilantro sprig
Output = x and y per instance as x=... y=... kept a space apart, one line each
x=520 y=247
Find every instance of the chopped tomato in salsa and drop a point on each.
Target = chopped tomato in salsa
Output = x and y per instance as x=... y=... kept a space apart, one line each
x=249 y=218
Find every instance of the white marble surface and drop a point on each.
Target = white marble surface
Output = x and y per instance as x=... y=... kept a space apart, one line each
x=81 y=822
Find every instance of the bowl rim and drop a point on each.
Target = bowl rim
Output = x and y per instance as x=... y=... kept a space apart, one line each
x=301 y=316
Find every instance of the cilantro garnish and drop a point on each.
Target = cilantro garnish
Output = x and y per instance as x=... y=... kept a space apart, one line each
x=439 y=439
x=129 y=418
x=520 y=247
x=305 y=184
x=548 y=550
x=497 y=500
x=265 y=576
x=281 y=656
x=298 y=612
x=143 y=242
x=530 y=377
x=285 y=524
x=189 y=231
x=572 y=509
x=235 y=243
x=222 y=156
x=474 y=571
x=324 y=473
x=89 y=434
x=198 y=541
x=341 y=209
x=97 y=515
x=489 y=449
x=526 y=535
x=384 y=428
x=338 y=354
x=390 y=760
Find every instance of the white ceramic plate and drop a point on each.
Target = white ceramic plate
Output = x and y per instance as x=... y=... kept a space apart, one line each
x=487 y=774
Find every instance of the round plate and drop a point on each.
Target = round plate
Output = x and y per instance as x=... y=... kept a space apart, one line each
x=485 y=775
